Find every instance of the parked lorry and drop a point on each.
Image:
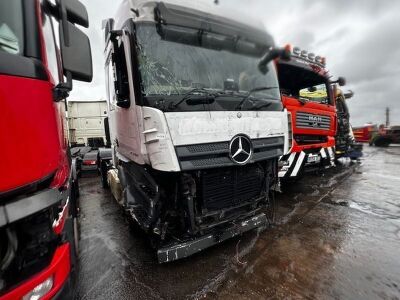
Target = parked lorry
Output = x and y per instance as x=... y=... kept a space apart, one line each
x=196 y=128
x=86 y=123
x=308 y=95
x=385 y=136
x=38 y=228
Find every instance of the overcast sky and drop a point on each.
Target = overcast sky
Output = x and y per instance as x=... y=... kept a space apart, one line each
x=360 y=39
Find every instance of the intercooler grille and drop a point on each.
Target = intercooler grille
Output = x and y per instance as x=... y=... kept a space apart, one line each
x=310 y=139
x=227 y=187
x=307 y=120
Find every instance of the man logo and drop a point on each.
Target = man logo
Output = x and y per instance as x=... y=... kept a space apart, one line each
x=315 y=120
x=240 y=149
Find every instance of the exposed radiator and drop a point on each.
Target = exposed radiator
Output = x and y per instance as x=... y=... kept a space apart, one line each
x=227 y=187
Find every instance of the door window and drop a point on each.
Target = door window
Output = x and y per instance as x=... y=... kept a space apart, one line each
x=51 y=48
x=11 y=27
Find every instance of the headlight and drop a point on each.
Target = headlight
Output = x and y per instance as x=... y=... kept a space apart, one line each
x=40 y=290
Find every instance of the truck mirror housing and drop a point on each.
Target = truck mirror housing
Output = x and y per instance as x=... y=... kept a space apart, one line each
x=274 y=53
x=349 y=94
x=76 y=12
x=108 y=26
x=75 y=48
x=341 y=81
x=76 y=54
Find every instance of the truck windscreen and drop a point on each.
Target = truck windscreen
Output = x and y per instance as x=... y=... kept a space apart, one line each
x=303 y=83
x=11 y=26
x=172 y=70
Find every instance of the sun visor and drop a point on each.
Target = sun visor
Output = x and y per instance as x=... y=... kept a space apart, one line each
x=169 y=14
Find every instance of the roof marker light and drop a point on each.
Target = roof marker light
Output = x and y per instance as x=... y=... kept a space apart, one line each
x=323 y=61
x=304 y=53
x=296 y=50
x=318 y=59
x=311 y=56
x=288 y=48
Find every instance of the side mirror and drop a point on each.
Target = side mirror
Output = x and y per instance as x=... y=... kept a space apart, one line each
x=108 y=26
x=312 y=89
x=349 y=94
x=74 y=45
x=76 y=55
x=76 y=12
x=341 y=81
x=274 y=53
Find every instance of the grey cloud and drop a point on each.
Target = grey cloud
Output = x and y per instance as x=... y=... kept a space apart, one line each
x=359 y=38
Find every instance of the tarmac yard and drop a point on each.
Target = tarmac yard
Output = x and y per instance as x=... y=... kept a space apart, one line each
x=337 y=236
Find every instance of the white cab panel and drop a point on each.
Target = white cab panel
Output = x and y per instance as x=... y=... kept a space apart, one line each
x=208 y=127
x=158 y=142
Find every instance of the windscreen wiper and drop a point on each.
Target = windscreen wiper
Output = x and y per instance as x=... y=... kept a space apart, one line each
x=267 y=104
x=257 y=89
x=303 y=100
x=194 y=97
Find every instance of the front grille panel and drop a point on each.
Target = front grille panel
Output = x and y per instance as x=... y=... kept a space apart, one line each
x=228 y=187
x=211 y=155
x=312 y=121
x=310 y=139
x=207 y=147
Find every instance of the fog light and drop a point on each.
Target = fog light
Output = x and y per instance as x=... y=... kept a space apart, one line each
x=40 y=290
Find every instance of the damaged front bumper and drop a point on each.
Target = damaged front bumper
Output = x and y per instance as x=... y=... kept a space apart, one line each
x=188 y=248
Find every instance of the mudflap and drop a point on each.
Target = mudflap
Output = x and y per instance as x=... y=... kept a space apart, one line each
x=188 y=248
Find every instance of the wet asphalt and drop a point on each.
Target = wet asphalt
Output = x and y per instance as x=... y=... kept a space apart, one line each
x=337 y=236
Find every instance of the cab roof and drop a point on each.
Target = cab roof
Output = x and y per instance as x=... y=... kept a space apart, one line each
x=144 y=10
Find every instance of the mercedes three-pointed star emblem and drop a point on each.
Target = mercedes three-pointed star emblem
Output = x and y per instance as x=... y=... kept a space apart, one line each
x=240 y=149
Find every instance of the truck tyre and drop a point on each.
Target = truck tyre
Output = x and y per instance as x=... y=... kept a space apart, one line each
x=74 y=206
x=382 y=141
x=76 y=187
x=103 y=174
x=76 y=236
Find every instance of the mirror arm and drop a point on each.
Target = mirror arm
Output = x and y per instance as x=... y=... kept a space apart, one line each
x=112 y=36
x=273 y=53
x=64 y=21
x=61 y=90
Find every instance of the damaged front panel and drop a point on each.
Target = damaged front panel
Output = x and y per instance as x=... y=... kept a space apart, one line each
x=211 y=127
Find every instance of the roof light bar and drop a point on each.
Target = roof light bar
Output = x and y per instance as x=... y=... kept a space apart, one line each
x=311 y=57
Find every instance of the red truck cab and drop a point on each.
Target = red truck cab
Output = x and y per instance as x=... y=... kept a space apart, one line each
x=307 y=94
x=37 y=204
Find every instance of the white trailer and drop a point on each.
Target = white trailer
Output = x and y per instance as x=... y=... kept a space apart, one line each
x=86 y=122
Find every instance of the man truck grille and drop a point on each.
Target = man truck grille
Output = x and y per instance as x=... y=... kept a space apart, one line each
x=306 y=120
x=228 y=187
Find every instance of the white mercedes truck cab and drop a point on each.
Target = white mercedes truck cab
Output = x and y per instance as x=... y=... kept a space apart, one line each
x=196 y=122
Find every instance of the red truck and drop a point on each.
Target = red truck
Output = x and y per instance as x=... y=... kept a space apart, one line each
x=308 y=95
x=38 y=207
